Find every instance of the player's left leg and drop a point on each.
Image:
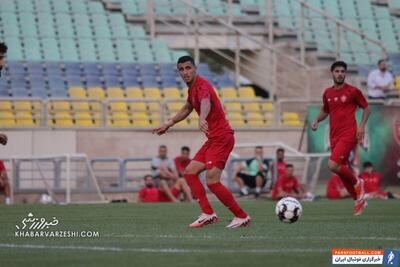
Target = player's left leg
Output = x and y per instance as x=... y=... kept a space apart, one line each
x=338 y=163
x=260 y=183
x=225 y=196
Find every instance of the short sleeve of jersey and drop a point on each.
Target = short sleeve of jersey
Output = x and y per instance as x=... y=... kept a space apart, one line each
x=325 y=106
x=203 y=92
x=360 y=99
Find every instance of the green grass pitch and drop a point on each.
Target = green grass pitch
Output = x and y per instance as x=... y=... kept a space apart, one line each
x=157 y=235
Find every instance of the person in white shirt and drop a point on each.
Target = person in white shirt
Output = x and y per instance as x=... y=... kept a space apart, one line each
x=380 y=81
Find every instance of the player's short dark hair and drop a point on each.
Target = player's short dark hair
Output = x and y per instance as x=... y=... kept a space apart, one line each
x=162 y=146
x=289 y=166
x=280 y=150
x=367 y=164
x=184 y=59
x=381 y=60
x=338 y=64
x=3 y=48
x=147 y=175
x=259 y=147
x=185 y=148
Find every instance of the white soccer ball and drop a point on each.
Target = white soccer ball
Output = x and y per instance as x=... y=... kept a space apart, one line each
x=288 y=210
x=45 y=199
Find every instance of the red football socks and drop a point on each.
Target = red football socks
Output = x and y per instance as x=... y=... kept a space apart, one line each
x=226 y=197
x=348 y=179
x=199 y=192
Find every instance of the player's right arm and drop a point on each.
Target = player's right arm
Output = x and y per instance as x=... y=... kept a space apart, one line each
x=322 y=114
x=181 y=115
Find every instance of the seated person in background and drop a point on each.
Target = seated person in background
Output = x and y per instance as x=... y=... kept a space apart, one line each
x=149 y=193
x=287 y=185
x=4 y=183
x=252 y=174
x=372 y=183
x=380 y=81
x=182 y=161
x=163 y=169
x=335 y=188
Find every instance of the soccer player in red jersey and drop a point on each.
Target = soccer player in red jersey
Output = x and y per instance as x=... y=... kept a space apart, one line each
x=149 y=193
x=213 y=155
x=182 y=161
x=335 y=188
x=340 y=102
x=3 y=51
x=372 y=183
x=287 y=185
x=4 y=183
x=280 y=163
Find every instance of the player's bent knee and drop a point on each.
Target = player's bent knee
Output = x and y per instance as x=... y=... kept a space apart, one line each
x=333 y=166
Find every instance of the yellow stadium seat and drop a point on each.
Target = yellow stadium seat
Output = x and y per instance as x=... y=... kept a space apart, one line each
x=137 y=106
x=155 y=118
x=77 y=92
x=251 y=106
x=24 y=118
x=96 y=93
x=115 y=92
x=397 y=82
x=154 y=106
x=81 y=106
x=293 y=123
x=174 y=106
x=118 y=106
x=267 y=106
x=193 y=120
x=228 y=92
x=182 y=124
x=185 y=93
x=140 y=119
x=233 y=106
x=63 y=119
x=83 y=119
x=290 y=116
x=246 y=92
x=236 y=119
x=7 y=119
x=171 y=92
x=36 y=105
x=5 y=105
x=152 y=92
x=22 y=106
x=255 y=119
x=134 y=92
x=60 y=105
x=120 y=119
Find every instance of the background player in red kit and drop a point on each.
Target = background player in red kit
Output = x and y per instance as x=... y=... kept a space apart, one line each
x=3 y=51
x=335 y=188
x=372 y=181
x=213 y=155
x=340 y=102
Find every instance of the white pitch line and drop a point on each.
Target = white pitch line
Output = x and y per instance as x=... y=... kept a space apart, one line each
x=163 y=250
x=255 y=237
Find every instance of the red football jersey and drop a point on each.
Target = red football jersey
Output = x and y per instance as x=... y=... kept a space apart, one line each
x=147 y=194
x=333 y=187
x=281 y=168
x=287 y=184
x=180 y=164
x=372 y=183
x=2 y=167
x=217 y=123
x=341 y=104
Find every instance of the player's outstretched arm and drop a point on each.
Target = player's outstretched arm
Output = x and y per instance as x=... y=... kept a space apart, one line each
x=322 y=116
x=181 y=115
x=361 y=127
x=205 y=108
x=3 y=139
